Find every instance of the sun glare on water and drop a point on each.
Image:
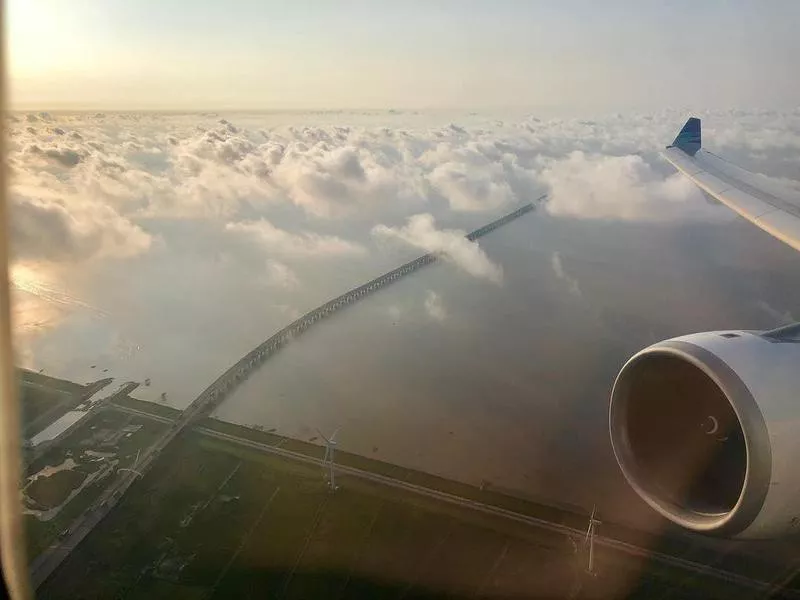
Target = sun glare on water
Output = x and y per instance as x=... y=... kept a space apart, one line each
x=36 y=283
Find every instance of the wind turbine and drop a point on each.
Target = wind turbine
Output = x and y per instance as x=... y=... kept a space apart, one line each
x=328 y=459
x=588 y=540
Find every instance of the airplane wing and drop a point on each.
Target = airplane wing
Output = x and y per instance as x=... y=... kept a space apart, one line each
x=738 y=189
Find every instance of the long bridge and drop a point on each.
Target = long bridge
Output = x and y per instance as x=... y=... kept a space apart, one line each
x=222 y=387
x=215 y=393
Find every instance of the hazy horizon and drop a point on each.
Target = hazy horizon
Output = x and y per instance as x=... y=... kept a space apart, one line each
x=203 y=55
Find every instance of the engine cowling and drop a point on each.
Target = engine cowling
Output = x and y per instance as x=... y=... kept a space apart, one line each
x=706 y=429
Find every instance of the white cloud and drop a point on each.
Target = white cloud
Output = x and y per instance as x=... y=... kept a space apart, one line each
x=421 y=232
x=434 y=306
x=60 y=231
x=295 y=245
x=471 y=190
x=330 y=180
x=619 y=187
x=65 y=200
x=280 y=275
x=558 y=269
x=208 y=168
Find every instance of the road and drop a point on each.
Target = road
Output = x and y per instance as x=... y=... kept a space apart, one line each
x=140 y=413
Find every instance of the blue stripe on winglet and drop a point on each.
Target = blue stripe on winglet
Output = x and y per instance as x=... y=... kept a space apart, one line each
x=688 y=139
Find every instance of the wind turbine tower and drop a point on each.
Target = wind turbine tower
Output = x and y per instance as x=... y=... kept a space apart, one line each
x=588 y=541
x=328 y=460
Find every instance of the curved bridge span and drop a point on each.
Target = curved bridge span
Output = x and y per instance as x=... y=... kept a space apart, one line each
x=215 y=393
x=218 y=391
x=222 y=387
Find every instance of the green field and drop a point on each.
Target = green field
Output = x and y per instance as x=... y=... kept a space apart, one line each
x=674 y=542
x=36 y=402
x=214 y=519
x=48 y=492
x=41 y=380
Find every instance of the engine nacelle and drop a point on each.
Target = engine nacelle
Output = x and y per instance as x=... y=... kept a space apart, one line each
x=706 y=429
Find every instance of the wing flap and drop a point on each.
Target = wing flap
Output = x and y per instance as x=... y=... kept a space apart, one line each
x=783 y=225
x=747 y=206
x=713 y=185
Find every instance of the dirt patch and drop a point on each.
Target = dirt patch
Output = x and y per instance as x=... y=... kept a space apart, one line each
x=49 y=492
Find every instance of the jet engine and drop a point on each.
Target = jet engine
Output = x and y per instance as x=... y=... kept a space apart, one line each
x=706 y=429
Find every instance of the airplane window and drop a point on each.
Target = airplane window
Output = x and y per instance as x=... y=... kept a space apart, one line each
x=400 y=300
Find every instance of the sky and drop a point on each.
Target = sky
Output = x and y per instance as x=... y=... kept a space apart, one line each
x=306 y=54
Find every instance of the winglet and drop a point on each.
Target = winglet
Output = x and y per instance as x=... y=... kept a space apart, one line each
x=688 y=139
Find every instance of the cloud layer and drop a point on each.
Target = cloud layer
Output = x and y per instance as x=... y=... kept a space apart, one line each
x=111 y=173
x=618 y=187
x=295 y=245
x=142 y=220
x=88 y=185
